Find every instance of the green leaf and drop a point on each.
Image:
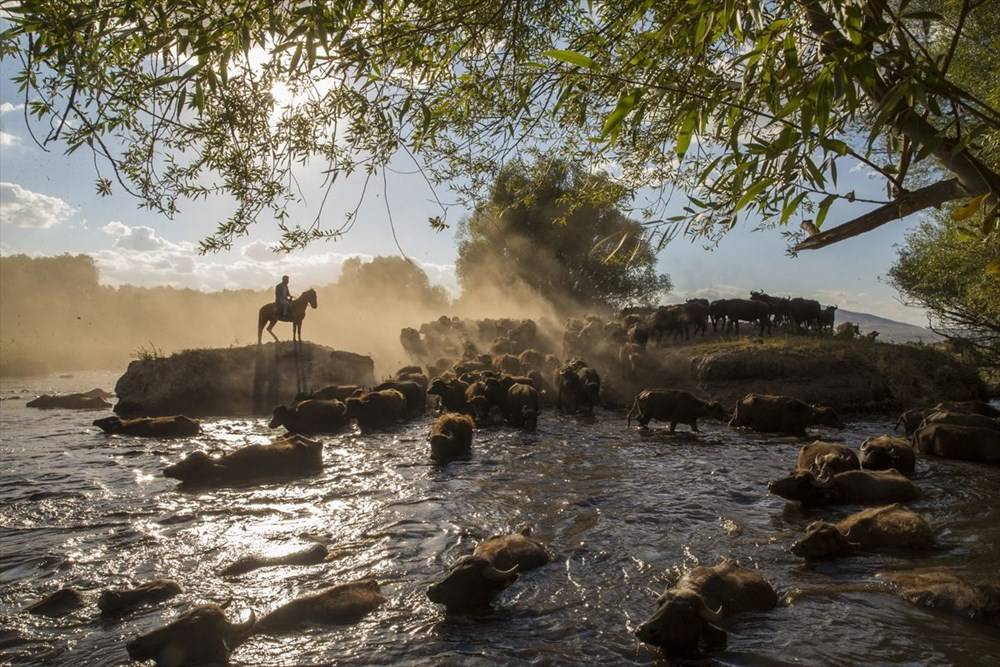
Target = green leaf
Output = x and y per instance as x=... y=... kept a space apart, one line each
x=571 y=57
x=685 y=133
x=752 y=193
x=993 y=268
x=824 y=208
x=791 y=207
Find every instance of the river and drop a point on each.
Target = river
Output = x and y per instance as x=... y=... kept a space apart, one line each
x=620 y=509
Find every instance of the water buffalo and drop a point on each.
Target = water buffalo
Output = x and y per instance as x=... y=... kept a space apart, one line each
x=201 y=636
x=951 y=441
x=531 y=359
x=669 y=320
x=338 y=605
x=377 y=409
x=781 y=414
x=579 y=388
x=508 y=363
x=177 y=426
x=288 y=457
x=451 y=391
x=118 y=601
x=59 y=603
x=478 y=401
x=853 y=487
x=891 y=527
x=687 y=612
x=312 y=555
x=912 y=419
x=746 y=310
x=819 y=456
x=969 y=407
x=85 y=401
x=473 y=581
x=521 y=406
x=948 y=592
x=674 y=406
x=413 y=392
x=630 y=359
x=827 y=316
x=451 y=437
x=311 y=416
x=961 y=419
x=804 y=311
x=883 y=452
x=638 y=335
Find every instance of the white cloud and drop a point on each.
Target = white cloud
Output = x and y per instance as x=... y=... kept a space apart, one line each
x=259 y=251
x=8 y=139
x=24 y=208
x=139 y=238
x=7 y=107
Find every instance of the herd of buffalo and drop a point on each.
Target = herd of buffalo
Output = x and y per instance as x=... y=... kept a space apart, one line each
x=512 y=386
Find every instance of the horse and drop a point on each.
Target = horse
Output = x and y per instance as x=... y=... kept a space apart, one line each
x=268 y=314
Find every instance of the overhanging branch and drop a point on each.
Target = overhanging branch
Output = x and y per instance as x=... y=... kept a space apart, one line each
x=909 y=203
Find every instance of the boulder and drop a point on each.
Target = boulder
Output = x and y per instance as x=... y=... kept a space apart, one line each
x=249 y=380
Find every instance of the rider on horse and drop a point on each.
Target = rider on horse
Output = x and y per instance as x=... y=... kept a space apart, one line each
x=282 y=297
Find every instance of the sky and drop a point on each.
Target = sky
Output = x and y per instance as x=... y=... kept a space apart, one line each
x=49 y=205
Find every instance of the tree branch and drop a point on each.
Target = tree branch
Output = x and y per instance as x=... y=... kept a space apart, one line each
x=909 y=203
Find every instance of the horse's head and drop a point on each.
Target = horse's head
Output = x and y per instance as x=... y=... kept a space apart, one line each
x=310 y=297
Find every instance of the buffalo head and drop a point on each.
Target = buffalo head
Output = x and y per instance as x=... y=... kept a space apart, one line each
x=716 y=411
x=827 y=416
x=804 y=486
x=280 y=416
x=201 y=636
x=822 y=540
x=471 y=583
x=682 y=623
x=195 y=467
x=108 y=424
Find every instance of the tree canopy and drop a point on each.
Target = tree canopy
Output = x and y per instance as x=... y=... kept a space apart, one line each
x=744 y=106
x=557 y=230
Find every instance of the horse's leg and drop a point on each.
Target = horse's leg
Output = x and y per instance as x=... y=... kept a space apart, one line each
x=270 y=330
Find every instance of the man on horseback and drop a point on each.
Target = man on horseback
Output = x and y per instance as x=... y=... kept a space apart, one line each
x=282 y=297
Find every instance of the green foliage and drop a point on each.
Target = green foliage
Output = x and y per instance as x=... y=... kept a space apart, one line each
x=945 y=269
x=746 y=107
x=559 y=231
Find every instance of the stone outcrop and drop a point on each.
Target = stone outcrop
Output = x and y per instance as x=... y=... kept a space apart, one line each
x=248 y=380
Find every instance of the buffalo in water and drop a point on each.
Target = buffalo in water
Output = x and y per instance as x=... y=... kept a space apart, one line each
x=854 y=487
x=952 y=441
x=673 y=406
x=177 y=426
x=451 y=391
x=884 y=452
x=819 y=456
x=58 y=603
x=119 y=601
x=338 y=605
x=311 y=416
x=892 y=527
x=688 y=611
x=377 y=409
x=339 y=392
x=91 y=400
x=579 y=388
x=414 y=392
x=312 y=555
x=961 y=419
x=201 y=636
x=521 y=406
x=473 y=581
x=451 y=437
x=288 y=457
x=946 y=591
x=781 y=414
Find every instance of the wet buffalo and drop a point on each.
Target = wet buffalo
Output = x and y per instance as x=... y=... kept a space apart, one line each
x=473 y=581
x=288 y=457
x=911 y=419
x=177 y=426
x=969 y=407
x=338 y=605
x=688 y=611
x=819 y=456
x=892 y=527
x=854 y=487
x=334 y=392
x=521 y=406
x=451 y=437
x=85 y=401
x=961 y=419
x=414 y=393
x=884 y=452
x=121 y=600
x=312 y=555
x=673 y=406
x=311 y=416
x=781 y=414
x=451 y=391
x=578 y=388
x=946 y=591
x=201 y=636
x=59 y=603
x=951 y=441
x=377 y=409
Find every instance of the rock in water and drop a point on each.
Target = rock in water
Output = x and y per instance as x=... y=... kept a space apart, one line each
x=248 y=380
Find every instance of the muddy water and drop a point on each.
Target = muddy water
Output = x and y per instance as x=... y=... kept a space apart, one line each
x=621 y=510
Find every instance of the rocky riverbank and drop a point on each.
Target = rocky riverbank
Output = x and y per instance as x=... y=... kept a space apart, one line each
x=247 y=380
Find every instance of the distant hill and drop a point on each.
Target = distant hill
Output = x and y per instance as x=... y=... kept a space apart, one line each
x=888 y=330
